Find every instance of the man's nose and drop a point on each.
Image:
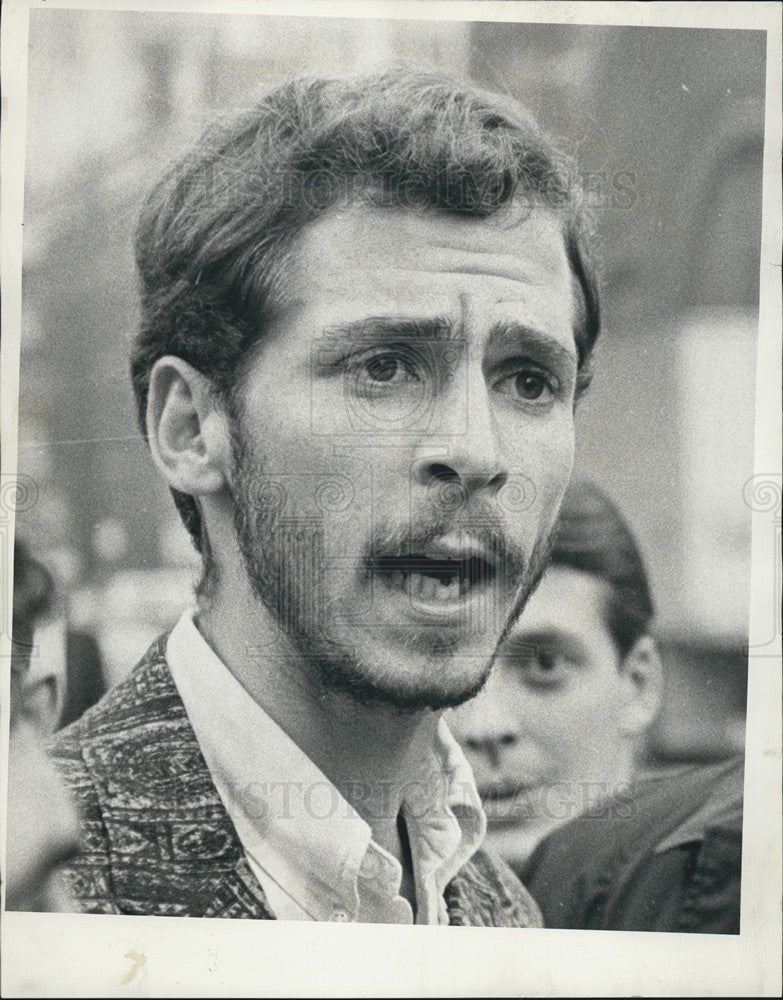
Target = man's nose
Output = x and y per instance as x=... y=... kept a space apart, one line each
x=491 y=745
x=465 y=430
x=489 y=726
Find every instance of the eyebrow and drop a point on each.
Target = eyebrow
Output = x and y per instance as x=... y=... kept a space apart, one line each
x=531 y=338
x=529 y=642
x=394 y=327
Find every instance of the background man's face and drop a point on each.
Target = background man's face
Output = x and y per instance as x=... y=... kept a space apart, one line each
x=405 y=435
x=544 y=738
x=42 y=828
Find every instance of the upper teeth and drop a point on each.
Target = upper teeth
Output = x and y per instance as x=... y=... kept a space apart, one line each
x=423 y=587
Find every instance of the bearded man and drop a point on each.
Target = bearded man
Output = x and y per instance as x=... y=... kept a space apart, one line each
x=368 y=309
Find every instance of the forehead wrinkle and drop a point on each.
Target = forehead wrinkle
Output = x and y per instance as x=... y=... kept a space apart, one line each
x=436 y=255
x=464 y=312
x=507 y=267
x=405 y=236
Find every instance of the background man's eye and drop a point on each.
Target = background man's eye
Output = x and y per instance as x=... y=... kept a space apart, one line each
x=547 y=662
x=544 y=667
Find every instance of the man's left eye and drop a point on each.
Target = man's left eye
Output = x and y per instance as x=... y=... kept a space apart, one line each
x=530 y=386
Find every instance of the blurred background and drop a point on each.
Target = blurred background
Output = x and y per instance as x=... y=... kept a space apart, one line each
x=668 y=127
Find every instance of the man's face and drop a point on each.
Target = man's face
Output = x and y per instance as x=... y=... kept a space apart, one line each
x=545 y=738
x=42 y=827
x=404 y=435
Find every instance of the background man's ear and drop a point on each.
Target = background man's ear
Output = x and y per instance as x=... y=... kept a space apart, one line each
x=40 y=698
x=643 y=676
x=187 y=430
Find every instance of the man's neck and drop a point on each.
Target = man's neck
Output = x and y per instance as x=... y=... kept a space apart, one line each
x=371 y=754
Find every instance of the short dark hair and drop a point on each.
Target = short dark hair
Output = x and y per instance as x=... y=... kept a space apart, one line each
x=593 y=537
x=215 y=231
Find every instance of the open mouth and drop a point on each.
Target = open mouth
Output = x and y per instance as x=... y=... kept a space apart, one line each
x=434 y=579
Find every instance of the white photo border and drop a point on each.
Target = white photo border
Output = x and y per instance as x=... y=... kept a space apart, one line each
x=85 y=955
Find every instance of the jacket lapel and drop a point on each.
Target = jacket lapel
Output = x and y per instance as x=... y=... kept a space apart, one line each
x=486 y=893
x=173 y=848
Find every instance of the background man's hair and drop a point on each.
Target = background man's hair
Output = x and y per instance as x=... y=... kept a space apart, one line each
x=215 y=232
x=593 y=537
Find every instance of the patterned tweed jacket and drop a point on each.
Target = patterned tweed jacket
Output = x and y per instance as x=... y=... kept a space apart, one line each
x=157 y=838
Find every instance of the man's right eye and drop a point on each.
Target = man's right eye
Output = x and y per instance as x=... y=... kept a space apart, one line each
x=384 y=370
x=388 y=368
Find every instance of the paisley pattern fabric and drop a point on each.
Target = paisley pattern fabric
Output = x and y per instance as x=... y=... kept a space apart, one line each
x=156 y=838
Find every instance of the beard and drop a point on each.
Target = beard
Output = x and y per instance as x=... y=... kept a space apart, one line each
x=284 y=555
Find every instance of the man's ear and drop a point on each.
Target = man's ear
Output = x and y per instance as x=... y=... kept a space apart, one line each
x=186 y=428
x=41 y=703
x=643 y=677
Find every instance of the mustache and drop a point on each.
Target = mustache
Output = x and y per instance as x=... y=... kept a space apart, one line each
x=483 y=529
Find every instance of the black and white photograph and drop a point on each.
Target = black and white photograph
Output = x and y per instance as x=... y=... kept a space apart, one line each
x=391 y=499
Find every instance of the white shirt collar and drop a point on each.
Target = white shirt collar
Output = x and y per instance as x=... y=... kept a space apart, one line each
x=312 y=852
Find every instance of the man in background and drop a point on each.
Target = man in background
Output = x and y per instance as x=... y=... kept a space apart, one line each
x=554 y=742
x=575 y=686
x=42 y=828
x=69 y=661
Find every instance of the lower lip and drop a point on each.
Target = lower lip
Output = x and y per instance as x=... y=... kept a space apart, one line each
x=459 y=610
x=509 y=810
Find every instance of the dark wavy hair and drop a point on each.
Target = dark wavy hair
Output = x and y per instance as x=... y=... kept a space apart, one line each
x=593 y=537
x=215 y=232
